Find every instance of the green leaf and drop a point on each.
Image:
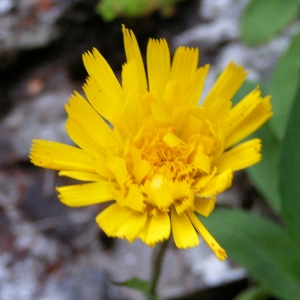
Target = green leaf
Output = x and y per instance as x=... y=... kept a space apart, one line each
x=138 y=284
x=262 y=247
x=263 y=19
x=135 y=283
x=283 y=86
x=111 y=9
x=246 y=88
x=259 y=174
x=289 y=172
x=253 y=293
x=264 y=175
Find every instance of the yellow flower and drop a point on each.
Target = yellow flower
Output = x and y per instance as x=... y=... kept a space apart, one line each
x=164 y=158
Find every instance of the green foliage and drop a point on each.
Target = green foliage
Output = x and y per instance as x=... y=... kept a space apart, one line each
x=260 y=174
x=289 y=172
x=246 y=88
x=134 y=283
x=268 y=253
x=253 y=293
x=138 y=285
x=111 y=9
x=264 y=18
x=283 y=86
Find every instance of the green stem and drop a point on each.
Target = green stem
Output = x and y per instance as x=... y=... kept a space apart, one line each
x=158 y=255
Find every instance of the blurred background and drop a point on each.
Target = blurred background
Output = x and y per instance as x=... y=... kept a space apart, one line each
x=49 y=251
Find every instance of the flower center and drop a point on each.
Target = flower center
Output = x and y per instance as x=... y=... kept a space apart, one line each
x=171 y=162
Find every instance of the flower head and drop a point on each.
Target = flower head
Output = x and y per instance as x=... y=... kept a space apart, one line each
x=163 y=159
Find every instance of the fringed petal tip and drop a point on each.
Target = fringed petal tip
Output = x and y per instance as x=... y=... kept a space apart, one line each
x=156 y=230
x=32 y=151
x=208 y=238
x=127 y=32
x=153 y=243
x=220 y=254
x=90 y=54
x=184 y=233
x=240 y=157
x=121 y=222
x=86 y=194
x=184 y=246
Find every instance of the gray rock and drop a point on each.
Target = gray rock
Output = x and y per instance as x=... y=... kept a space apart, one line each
x=221 y=9
x=222 y=27
x=6 y=6
x=88 y=283
x=209 y=36
x=30 y=25
x=41 y=115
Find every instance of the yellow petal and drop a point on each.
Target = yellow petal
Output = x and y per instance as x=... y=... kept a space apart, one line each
x=141 y=170
x=185 y=203
x=101 y=72
x=117 y=166
x=204 y=206
x=218 y=184
x=170 y=96
x=172 y=140
x=227 y=84
x=101 y=101
x=158 y=110
x=130 y=118
x=130 y=80
x=86 y=194
x=122 y=222
x=57 y=156
x=132 y=51
x=83 y=114
x=240 y=157
x=250 y=118
x=158 y=229
x=206 y=143
x=78 y=130
x=158 y=65
x=217 y=139
x=158 y=192
x=241 y=110
x=184 y=233
x=81 y=175
x=162 y=197
x=78 y=135
x=194 y=89
x=192 y=126
x=135 y=199
x=179 y=189
x=210 y=241
x=218 y=111
x=178 y=117
x=101 y=167
x=201 y=181
x=133 y=111
x=184 y=65
x=202 y=162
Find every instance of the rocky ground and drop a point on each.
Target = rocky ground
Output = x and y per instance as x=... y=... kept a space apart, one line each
x=49 y=251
